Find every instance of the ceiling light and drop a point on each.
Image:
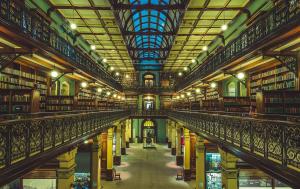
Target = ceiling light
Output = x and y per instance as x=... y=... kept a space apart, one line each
x=198 y=90
x=107 y=93
x=193 y=60
x=126 y=76
x=84 y=84
x=112 y=68
x=178 y=97
x=182 y=95
x=240 y=75
x=204 y=48
x=213 y=85
x=99 y=90
x=115 y=95
x=224 y=27
x=119 y=97
x=86 y=142
x=188 y=93
x=180 y=74
x=93 y=47
x=54 y=73
x=104 y=60
x=117 y=73
x=123 y=98
x=73 y=26
x=185 y=68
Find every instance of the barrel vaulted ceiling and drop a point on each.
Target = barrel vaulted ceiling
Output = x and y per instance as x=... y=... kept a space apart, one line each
x=149 y=34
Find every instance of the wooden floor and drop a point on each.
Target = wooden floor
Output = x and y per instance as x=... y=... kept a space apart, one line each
x=148 y=169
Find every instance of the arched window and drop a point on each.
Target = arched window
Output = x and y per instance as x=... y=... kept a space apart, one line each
x=149 y=80
x=65 y=89
x=231 y=88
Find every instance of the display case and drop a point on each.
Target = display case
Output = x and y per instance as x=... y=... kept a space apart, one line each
x=213 y=171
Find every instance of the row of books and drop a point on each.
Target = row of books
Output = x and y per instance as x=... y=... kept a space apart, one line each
x=270 y=73
x=25 y=74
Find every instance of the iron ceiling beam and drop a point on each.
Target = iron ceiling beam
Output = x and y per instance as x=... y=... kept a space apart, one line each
x=147 y=7
x=149 y=49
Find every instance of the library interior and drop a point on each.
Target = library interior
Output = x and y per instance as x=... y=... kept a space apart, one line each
x=149 y=94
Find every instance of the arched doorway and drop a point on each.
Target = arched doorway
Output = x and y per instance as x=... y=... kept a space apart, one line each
x=149 y=133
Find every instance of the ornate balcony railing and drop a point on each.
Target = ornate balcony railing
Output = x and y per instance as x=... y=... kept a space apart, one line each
x=149 y=113
x=37 y=28
x=275 y=142
x=27 y=139
x=276 y=20
x=149 y=89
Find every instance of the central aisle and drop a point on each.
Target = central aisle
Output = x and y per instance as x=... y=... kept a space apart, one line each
x=147 y=169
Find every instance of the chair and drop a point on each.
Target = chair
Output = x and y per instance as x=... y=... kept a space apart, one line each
x=179 y=174
x=117 y=176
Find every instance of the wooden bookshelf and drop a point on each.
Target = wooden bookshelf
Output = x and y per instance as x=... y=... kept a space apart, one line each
x=212 y=94
x=210 y=105
x=17 y=76
x=102 y=105
x=278 y=102
x=195 y=105
x=86 y=104
x=14 y=101
x=276 y=78
x=59 y=103
x=236 y=104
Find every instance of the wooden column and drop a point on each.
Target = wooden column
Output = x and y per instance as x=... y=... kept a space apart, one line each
x=109 y=155
x=169 y=133
x=173 y=139
x=117 y=157
x=229 y=170
x=124 y=142
x=179 y=157
x=200 y=163
x=66 y=170
x=96 y=163
x=187 y=155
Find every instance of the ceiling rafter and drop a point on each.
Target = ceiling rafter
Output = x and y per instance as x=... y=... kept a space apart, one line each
x=147 y=6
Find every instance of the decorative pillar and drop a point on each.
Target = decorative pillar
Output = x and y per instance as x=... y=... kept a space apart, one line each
x=66 y=170
x=117 y=157
x=109 y=154
x=200 y=163
x=173 y=136
x=128 y=132
x=187 y=155
x=169 y=133
x=229 y=170
x=124 y=142
x=96 y=163
x=179 y=157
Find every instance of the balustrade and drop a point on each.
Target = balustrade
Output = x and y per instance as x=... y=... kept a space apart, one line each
x=275 y=20
x=37 y=28
x=277 y=142
x=25 y=138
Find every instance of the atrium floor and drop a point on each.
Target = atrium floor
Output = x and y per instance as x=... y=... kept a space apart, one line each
x=148 y=169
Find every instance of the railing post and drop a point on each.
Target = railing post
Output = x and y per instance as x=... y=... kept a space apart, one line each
x=28 y=139
x=8 y=146
x=284 y=147
x=266 y=140
x=42 y=134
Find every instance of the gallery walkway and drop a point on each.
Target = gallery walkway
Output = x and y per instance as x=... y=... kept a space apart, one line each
x=148 y=169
